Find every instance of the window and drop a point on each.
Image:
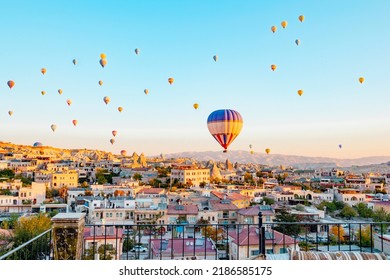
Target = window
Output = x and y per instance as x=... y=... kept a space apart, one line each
x=269 y=251
x=283 y=250
x=254 y=252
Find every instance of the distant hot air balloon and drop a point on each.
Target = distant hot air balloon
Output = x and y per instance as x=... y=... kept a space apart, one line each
x=215 y=57
x=114 y=133
x=196 y=106
x=37 y=144
x=103 y=56
x=43 y=92
x=340 y=146
x=252 y=152
x=43 y=71
x=74 y=61
x=250 y=146
x=120 y=109
x=106 y=99
x=225 y=125
x=124 y=153
x=146 y=91
x=10 y=113
x=301 y=18
x=11 y=84
x=273 y=29
x=112 y=141
x=170 y=81
x=74 y=122
x=136 y=51
x=69 y=101
x=53 y=127
x=284 y=24
x=361 y=80
x=297 y=42
x=60 y=91
x=300 y=92
x=273 y=67
x=100 y=82
x=267 y=151
x=103 y=62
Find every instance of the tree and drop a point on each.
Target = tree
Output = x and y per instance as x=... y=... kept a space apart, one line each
x=212 y=232
x=380 y=215
x=364 y=236
x=10 y=222
x=268 y=201
x=88 y=193
x=25 y=181
x=202 y=184
x=337 y=233
x=63 y=193
x=7 y=173
x=84 y=184
x=283 y=216
x=137 y=177
x=28 y=227
x=348 y=212
x=363 y=210
x=106 y=252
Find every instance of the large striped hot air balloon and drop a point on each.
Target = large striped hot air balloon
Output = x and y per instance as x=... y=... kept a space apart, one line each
x=225 y=125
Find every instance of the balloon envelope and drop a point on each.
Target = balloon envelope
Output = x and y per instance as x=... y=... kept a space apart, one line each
x=11 y=84
x=43 y=92
x=37 y=144
x=273 y=29
x=53 y=127
x=120 y=109
x=171 y=80
x=103 y=56
x=301 y=18
x=69 y=101
x=225 y=125
x=215 y=57
x=267 y=151
x=43 y=71
x=74 y=122
x=60 y=91
x=146 y=91
x=106 y=99
x=103 y=62
x=10 y=113
x=340 y=146
x=361 y=80
x=273 y=67
x=114 y=133
x=297 y=42
x=112 y=141
x=284 y=24
x=300 y=92
x=123 y=152
x=100 y=82
x=136 y=51
x=74 y=61
x=196 y=106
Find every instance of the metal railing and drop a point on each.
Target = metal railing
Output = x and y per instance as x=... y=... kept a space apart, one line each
x=38 y=248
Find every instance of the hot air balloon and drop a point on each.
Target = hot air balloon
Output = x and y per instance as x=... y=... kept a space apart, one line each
x=106 y=99
x=284 y=24
x=361 y=80
x=250 y=146
x=225 y=125
x=43 y=92
x=252 y=152
x=215 y=57
x=120 y=109
x=11 y=84
x=74 y=122
x=114 y=132
x=340 y=146
x=74 y=61
x=69 y=101
x=10 y=113
x=196 y=105
x=297 y=42
x=136 y=51
x=300 y=92
x=37 y=144
x=112 y=141
x=60 y=91
x=124 y=153
x=273 y=29
x=100 y=83
x=273 y=67
x=103 y=62
x=43 y=71
x=301 y=18
x=170 y=81
x=267 y=151
x=103 y=56
x=53 y=127
x=146 y=91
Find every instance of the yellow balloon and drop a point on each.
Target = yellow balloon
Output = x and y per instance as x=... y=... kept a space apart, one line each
x=361 y=80
x=100 y=82
x=273 y=29
x=300 y=92
x=196 y=105
x=267 y=151
x=146 y=91
x=43 y=71
x=252 y=152
x=43 y=92
x=171 y=80
x=273 y=67
x=10 y=113
x=120 y=109
x=103 y=62
x=102 y=55
x=301 y=18
x=60 y=91
x=284 y=24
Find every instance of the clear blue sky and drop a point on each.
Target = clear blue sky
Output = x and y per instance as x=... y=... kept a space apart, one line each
x=340 y=41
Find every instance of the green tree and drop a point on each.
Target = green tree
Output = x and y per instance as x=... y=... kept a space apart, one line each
x=25 y=181
x=283 y=216
x=364 y=236
x=137 y=177
x=348 y=212
x=28 y=227
x=363 y=210
x=5 y=192
x=10 y=222
x=268 y=201
x=7 y=173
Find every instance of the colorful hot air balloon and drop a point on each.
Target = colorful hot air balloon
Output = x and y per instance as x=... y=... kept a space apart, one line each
x=267 y=151
x=74 y=61
x=120 y=109
x=196 y=106
x=106 y=99
x=103 y=62
x=100 y=83
x=361 y=80
x=74 y=122
x=301 y=18
x=136 y=51
x=69 y=101
x=252 y=152
x=273 y=67
x=10 y=113
x=37 y=144
x=60 y=91
x=297 y=42
x=300 y=92
x=284 y=24
x=53 y=127
x=43 y=92
x=112 y=141
x=171 y=80
x=124 y=153
x=225 y=125
x=114 y=133
x=273 y=29
x=340 y=146
x=103 y=56
x=146 y=91
x=11 y=84
x=215 y=57
x=43 y=71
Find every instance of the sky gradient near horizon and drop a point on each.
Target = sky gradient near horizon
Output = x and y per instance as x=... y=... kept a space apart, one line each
x=340 y=41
